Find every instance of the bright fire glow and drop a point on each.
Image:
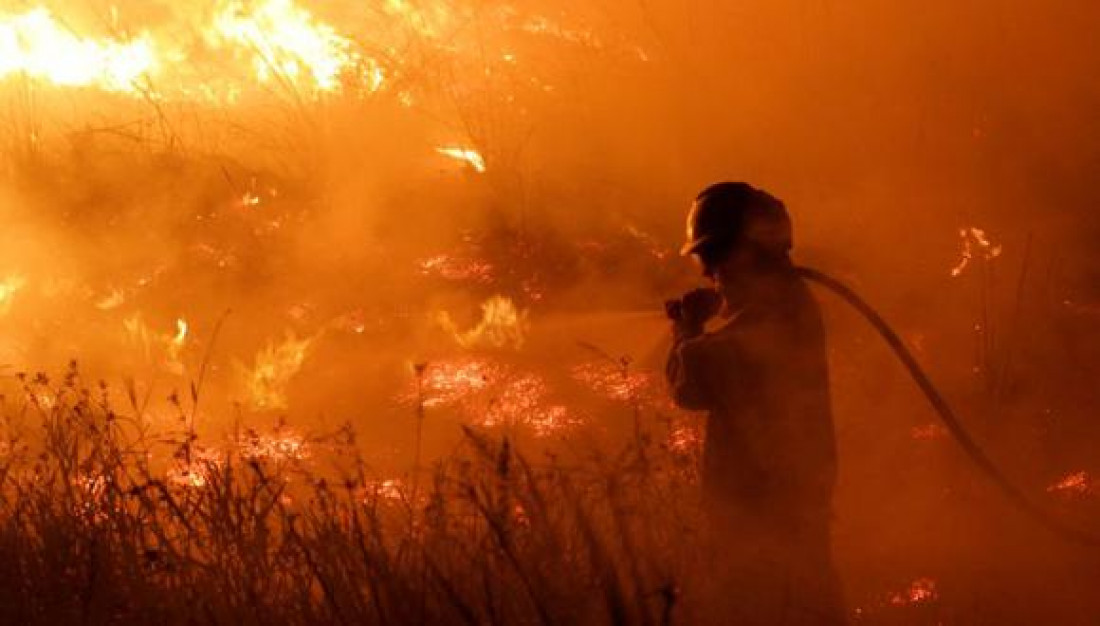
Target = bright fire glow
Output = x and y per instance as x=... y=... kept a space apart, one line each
x=1074 y=484
x=524 y=402
x=975 y=244
x=282 y=446
x=448 y=382
x=8 y=288
x=36 y=45
x=502 y=325
x=920 y=591
x=275 y=366
x=469 y=156
x=614 y=381
x=196 y=468
x=458 y=268
x=287 y=44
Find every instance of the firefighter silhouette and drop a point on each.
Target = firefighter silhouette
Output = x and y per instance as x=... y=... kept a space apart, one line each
x=769 y=459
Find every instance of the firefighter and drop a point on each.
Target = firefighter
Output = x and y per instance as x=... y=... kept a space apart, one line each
x=769 y=458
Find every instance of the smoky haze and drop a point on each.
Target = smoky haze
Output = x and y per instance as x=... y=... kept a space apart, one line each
x=331 y=218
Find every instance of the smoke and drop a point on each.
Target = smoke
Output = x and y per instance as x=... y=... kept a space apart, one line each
x=328 y=178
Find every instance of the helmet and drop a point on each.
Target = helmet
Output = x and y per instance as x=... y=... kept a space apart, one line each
x=726 y=215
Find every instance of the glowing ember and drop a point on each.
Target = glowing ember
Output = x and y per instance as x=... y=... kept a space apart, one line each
x=920 y=591
x=685 y=439
x=286 y=446
x=975 y=244
x=453 y=268
x=468 y=156
x=195 y=468
x=1076 y=484
x=501 y=326
x=388 y=489
x=613 y=381
x=34 y=44
x=448 y=382
x=275 y=365
x=523 y=402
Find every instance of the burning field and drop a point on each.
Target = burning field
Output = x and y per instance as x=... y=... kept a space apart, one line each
x=352 y=312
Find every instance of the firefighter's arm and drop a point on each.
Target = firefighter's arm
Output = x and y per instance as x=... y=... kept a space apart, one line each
x=684 y=372
x=686 y=360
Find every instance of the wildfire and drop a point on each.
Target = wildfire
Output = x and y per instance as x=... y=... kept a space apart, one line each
x=275 y=365
x=278 y=40
x=469 y=156
x=501 y=326
x=975 y=244
x=285 y=43
x=35 y=45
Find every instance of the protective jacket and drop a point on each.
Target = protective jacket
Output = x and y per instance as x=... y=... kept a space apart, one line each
x=769 y=460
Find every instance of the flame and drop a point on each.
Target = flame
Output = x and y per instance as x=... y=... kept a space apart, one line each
x=469 y=156
x=8 y=288
x=152 y=342
x=175 y=347
x=113 y=300
x=279 y=41
x=34 y=44
x=502 y=325
x=285 y=43
x=275 y=365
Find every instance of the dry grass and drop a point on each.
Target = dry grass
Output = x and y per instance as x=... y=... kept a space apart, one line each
x=92 y=531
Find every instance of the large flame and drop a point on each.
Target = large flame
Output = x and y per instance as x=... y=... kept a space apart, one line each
x=36 y=45
x=286 y=44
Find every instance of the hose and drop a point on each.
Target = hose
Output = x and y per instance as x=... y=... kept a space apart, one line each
x=973 y=451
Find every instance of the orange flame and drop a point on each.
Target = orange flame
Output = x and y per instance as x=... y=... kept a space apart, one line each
x=502 y=325
x=275 y=365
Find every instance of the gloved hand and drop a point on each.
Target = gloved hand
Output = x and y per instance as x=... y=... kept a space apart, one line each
x=694 y=309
